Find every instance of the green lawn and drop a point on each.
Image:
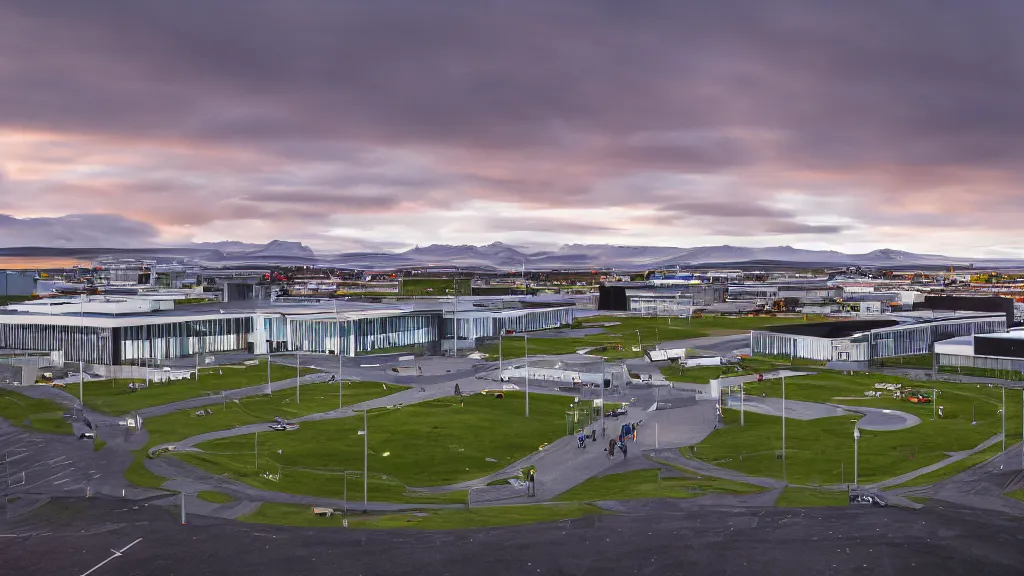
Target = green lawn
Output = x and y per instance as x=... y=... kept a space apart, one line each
x=113 y=396
x=139 y=475
x=799 y=497
x=215 y=497
x=313 y=399
x=820 y=452
x=954 y=468
x=427 y=444
x=1017 y=494
x=432 y=286
x=37 y=414
x=644 y=484
x=445 y=519
x=624 y=333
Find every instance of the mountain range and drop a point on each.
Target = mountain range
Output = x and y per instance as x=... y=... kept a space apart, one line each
x=500 y=256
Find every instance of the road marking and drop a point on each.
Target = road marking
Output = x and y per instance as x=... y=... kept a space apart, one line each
x=61 y=481
x=115 y=555
x=50 y=478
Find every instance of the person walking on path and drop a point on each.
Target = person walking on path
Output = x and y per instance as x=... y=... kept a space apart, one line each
x=611 y=448
x=622 y=446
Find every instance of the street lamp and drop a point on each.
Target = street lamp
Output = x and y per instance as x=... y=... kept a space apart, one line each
x=856 y=440
x=638 y=343
x=365 y=460
x=526 y=359
x=784 y=430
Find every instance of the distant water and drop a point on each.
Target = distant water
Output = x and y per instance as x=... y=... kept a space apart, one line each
x=35 y=263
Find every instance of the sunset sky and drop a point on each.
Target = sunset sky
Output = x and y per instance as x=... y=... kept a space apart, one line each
x=379 y=125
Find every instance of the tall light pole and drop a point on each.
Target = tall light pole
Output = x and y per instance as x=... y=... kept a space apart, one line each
x=641 y=346
x=603 y=375
x=298 y=369
x=270 y=390
x=1004 y=418
x=784 y=481
x=81 y=356
x=856 y=440
x=366 y=468
x=526 y=357
x=455 y=314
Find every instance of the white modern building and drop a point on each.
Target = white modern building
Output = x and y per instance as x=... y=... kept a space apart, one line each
x=125 y=330
x=863 y=340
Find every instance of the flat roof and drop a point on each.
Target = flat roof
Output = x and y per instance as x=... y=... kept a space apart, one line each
x=849 y=328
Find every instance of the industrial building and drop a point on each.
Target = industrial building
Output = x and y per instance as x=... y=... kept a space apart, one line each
x=125 y=330
x=864 y=340
x=994 y=352
x=640 y=296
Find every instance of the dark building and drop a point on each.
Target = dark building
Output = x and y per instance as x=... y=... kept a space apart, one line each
x=950 y=303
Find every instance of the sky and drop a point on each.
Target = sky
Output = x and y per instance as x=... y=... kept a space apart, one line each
x=383 y=124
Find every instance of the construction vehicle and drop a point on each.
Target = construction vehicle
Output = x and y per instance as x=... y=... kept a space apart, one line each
x=917 y=397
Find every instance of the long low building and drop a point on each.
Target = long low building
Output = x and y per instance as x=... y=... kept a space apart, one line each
x=863 y=340
x=124 y=330
x=995 y=352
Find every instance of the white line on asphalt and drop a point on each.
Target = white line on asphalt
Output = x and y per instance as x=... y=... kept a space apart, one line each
x=61 y=481
x=50 y=478
x=116 y=554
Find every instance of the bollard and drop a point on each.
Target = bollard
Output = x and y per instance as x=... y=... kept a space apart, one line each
x=183 y=509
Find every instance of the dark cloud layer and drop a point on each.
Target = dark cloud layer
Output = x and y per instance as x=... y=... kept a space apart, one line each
x=315 y=111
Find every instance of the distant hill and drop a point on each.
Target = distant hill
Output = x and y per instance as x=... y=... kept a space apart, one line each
x=500 y=256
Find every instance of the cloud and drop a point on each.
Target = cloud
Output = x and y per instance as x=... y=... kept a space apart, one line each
x=271 y=119
x=77 y=231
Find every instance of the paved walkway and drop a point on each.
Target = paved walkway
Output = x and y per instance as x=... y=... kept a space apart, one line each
x=955 y=457
x=795 y=409
x=981 y=486
x=674 y=457
x=235 y=394
x=881 y=419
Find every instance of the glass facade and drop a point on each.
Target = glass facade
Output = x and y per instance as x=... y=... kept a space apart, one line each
x=474 y=325
x=179 y=339
x=350 y=337
x=905 y=340
x=79 y=344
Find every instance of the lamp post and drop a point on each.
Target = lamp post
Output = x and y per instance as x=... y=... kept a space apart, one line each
x=499 y=353
x=1004 y=418
x=856 y=441
x=526 y=357
x=366 y=468
x=603 y=376
x=784 y=430
x=298 y=370
x=81 y=356
x=638 y=343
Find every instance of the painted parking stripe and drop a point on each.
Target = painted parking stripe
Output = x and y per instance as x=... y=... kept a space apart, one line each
x=115 y=554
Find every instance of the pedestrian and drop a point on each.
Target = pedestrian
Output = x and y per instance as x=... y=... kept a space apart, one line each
x=611 y=448
x=531 y=483
x=635 y=426
x=622 y=447
x=581 y=440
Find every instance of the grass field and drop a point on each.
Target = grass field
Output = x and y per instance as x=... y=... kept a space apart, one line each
x=428 y=444
x=215 y=497
x=799 y=497
x=1016 y=494
x=27 y=412
x=624 y=333
x=113 y=396
x=820 y=452
x=445 y=519
x=432 y=286
x=954 y=468
x=313 y=399
x=644 y=484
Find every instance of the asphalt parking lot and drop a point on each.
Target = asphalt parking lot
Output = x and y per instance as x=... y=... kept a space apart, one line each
x=650 y=539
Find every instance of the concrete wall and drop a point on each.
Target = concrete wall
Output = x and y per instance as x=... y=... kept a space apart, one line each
x=17 y=282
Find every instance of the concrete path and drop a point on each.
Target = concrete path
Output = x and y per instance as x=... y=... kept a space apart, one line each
x=955 y=457
x=191 y=480
x=981 y=486
x=235 y=394
x=410 y=396
x=674 y=457
x=881 y=419
x=795 y=409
